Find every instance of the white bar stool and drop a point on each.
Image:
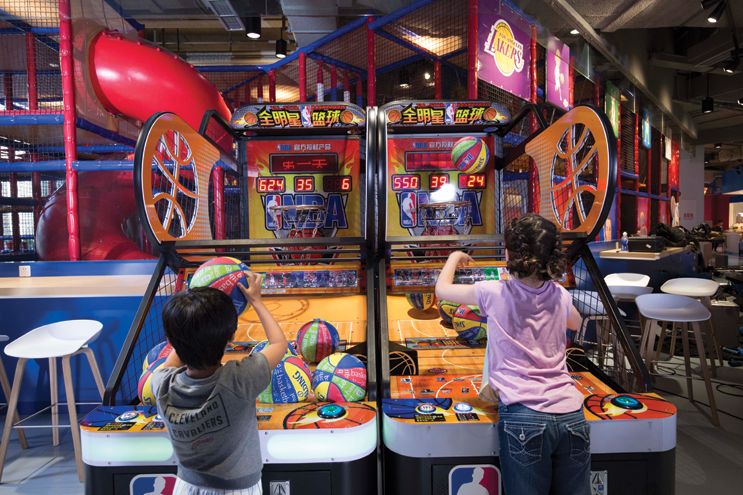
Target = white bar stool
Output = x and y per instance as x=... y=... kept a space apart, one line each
x=63 y=339
x=6 y=391
x=590 y=307
x=627 y=279
x=701 y=289
x=684 y=310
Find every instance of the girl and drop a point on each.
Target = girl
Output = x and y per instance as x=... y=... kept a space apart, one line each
x=543 y=434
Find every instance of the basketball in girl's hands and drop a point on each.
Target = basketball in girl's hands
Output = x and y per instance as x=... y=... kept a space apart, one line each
x=224 y=273
x=446 y=310
x=469 y=324
x=163 y=349
x=470 y=155
x=290 y=351
x=340 y=377
x=421 y=300
x=291 y=381
x=144 y=391
x=317 y=339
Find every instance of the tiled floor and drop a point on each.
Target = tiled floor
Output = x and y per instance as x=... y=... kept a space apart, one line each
x=708 y=459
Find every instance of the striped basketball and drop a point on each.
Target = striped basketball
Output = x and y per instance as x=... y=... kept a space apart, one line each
x=446 y=310
x=340 y=377
x=316 y=340
x=163 y=349
x=421 y=300
x=143 y=387
x=224 y=274
x=470 y=155
x=291 y=381
x=290 y=351
x=468 y=323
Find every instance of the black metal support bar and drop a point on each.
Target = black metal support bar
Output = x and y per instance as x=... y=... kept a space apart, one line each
x=371 y=335
x=384 y=336
x=254 y=243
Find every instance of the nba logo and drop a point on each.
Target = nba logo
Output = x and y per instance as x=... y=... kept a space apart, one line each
x=450 y=110
x=408 y=215
x=480 y=479
x=273 y=217
x=306 y=116
x=152 y=484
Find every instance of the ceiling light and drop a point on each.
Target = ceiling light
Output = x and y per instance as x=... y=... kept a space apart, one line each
x=404 y=79
x=732 y=66
x=717 y=13
x=427 y=75
x=718 y=146
x=708 y=3
x=708 y=105
x=574 y=31
x=740 y=101
x=281 y=42
x=252 y=26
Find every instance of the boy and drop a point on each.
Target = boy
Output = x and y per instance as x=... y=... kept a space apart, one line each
x=209 y=408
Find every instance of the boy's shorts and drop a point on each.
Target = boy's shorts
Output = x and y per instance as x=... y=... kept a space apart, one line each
x=183 y=488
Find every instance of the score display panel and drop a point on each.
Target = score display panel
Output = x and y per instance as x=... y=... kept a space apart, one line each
x=314 y=171
x=420 y=170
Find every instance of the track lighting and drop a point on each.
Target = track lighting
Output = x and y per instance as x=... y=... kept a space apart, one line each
x=740 y=101
x=732 y=66
x=252 y=26
x=717 y=13
x=708 y=3
x=281 y=42
x=708 y=105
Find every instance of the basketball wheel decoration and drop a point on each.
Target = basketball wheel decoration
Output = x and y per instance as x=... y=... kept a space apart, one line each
x=317 y=339
x=470 y=155
x=224 y=274
x=421 y=300
x=578 y=146
x=340 y=377
x=291 y=381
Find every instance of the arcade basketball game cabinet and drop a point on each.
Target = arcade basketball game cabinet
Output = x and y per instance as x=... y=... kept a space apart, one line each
x=437 y=432
x=302 y=221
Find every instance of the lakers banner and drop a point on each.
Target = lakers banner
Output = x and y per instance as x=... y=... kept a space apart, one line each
x=504 y=48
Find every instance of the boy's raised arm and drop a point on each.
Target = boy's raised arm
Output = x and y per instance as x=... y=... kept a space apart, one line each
x=276 y=349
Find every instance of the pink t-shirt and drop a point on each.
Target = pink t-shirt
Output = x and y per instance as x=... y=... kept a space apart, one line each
x=526 y=342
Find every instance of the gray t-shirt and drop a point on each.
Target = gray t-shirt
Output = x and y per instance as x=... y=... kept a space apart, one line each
x=212 y=423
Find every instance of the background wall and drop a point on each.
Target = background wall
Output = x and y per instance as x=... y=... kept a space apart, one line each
x=691 y=184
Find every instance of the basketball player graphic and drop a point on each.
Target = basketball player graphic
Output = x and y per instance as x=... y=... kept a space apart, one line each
x=408 y=210
x=559 y=78
x=271 y=202
x=474 y=488
x=159 y=487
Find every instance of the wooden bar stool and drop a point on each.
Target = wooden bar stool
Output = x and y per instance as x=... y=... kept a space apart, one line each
x=701 y=289
x=57 y=340
x=6 y=391
x=684 y=310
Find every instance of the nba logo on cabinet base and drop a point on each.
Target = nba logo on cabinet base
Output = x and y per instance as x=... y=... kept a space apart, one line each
x=152 y=484
x=475 y=479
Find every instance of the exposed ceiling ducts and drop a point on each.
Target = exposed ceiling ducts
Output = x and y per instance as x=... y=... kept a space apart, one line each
x=310 y=20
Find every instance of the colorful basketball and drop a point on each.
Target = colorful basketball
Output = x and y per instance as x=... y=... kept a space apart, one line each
x=291 y=381
x=446 y=310
x=316 y=340
x=340 y=377
x=163 y=349
x=421 y=300
x=224 y=274
x=290 y=351
x=143 y=387
x=470 y=155
x=394 y=116
x=469 y=324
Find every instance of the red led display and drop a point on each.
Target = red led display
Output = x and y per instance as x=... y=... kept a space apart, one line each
x=304 y=184
x=302 y=163
x=337 y=183
x=473 y=181
x=406 y=182
x=271 y=184
x=434 y=161
x=436 y=181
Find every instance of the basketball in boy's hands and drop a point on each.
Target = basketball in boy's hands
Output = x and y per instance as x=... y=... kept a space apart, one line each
x=470 y=155
x=421 y=300
x=290 y=351
x=446 y=310
x=340 y=377
x=144 y=391
x=469 y=324
x=291 y=381
x=224 y=273
x=163 y=349
x=316 y=340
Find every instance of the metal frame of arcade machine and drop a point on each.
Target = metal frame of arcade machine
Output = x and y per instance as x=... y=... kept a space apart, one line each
x=432 y=417
x=324 y=448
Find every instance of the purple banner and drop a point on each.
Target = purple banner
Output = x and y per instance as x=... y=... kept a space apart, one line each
x=505 y=48
x=558 y=85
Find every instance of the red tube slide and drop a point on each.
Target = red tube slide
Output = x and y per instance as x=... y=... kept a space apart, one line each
x=135 y=79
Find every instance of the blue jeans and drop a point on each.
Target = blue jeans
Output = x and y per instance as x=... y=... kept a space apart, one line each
x=542 y=453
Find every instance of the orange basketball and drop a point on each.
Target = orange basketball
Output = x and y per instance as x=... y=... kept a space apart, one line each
x=490 y=114
x=250 y=118
x=346 y=116
x=394 y=116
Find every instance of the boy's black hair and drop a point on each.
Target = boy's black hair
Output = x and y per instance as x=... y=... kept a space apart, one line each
x=199 y=323
x=534 y=247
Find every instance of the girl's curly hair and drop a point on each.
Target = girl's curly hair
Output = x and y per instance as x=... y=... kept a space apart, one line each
x=534 y=247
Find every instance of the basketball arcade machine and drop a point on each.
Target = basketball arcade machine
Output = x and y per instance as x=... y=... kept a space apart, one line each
x=433 y=421
x=304 y=225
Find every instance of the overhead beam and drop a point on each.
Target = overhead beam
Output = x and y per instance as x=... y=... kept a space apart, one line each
x=714 y=49
x=680 y=117
x=679 y=62
x=720 y=135
x=722 y=88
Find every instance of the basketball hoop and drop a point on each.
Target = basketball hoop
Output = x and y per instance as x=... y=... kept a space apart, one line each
x=440 y=218
x=304 y=221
